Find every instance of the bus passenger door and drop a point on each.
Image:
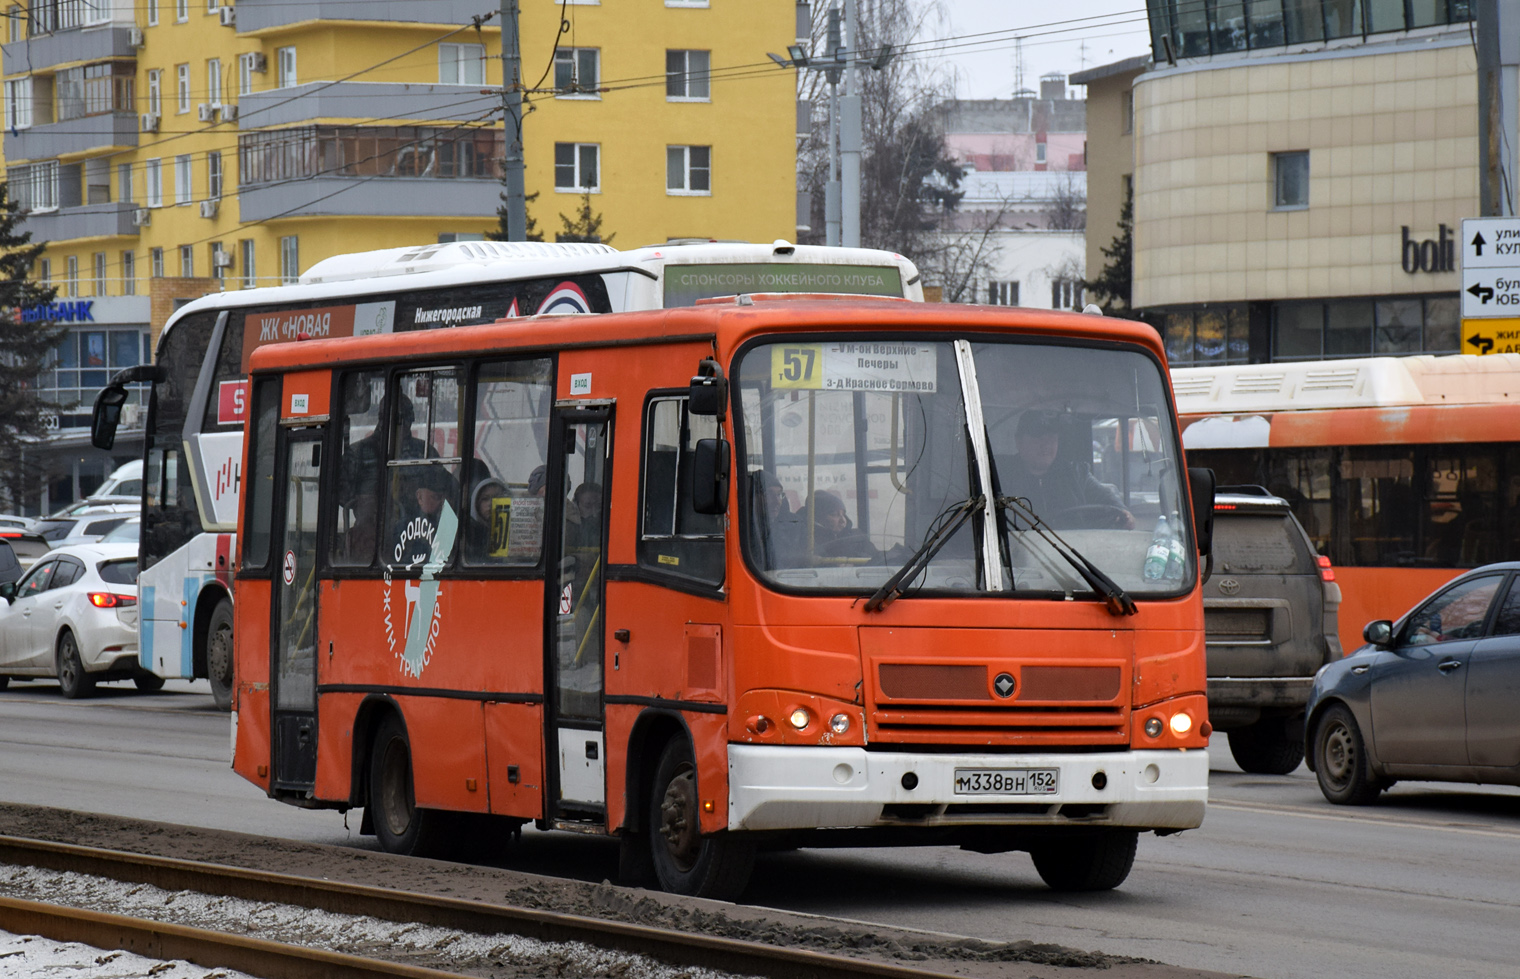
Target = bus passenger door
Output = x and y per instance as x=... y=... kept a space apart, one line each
x=293 y=631
x=575 y=621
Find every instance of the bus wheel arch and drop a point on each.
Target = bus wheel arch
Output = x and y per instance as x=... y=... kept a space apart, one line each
x=400 y=825
x=686 y=861
x=213 y=615
x=367 y=718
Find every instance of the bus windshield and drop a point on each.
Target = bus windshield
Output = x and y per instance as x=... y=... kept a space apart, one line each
x=856 y=452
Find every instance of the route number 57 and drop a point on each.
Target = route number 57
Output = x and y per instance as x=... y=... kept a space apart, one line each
x=797 y=366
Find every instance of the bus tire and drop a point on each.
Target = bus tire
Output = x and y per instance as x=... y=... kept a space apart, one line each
x=400 y=826
x=72 y=678
x=1340 y=760
x=219 y=654
x=1099 y=862
x=686 y=862
x=148 y=682
x=1271 y=746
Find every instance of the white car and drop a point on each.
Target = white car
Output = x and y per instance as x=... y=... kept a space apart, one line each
x=74 y=616
x=91 y=527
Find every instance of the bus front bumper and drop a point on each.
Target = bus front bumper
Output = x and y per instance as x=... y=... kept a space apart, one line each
x=784 y=788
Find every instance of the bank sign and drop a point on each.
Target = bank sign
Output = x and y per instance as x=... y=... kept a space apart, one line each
x=74 y=311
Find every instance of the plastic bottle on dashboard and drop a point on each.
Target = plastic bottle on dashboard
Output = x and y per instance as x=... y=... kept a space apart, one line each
x=1176 y=558
x=1157 y=555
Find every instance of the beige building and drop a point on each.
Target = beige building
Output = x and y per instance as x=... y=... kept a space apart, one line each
x=1299 y=182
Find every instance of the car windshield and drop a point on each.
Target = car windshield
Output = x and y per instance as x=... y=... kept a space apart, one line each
x=857 y=452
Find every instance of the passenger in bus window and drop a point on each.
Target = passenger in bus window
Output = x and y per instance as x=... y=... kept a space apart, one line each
x=415 y=537
x=538 y=481
x=834 y=534
x=481 y=546
x=1055 y=485
x=779 y=530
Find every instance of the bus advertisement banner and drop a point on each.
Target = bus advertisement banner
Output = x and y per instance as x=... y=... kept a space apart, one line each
x=280 y=326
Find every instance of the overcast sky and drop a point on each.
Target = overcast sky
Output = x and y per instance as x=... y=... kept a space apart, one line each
x=985 y=67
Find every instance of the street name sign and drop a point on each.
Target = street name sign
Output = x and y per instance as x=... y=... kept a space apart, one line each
x=1490 y=285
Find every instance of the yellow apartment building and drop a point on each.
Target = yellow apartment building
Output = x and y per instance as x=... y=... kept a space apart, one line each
x=166 y=148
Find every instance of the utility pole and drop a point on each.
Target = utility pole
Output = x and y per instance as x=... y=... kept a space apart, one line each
x=1498 y=38
x=511 y=100
x=851 y=133
x=832 y=198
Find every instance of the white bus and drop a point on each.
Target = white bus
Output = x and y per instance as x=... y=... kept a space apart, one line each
x=193 y=446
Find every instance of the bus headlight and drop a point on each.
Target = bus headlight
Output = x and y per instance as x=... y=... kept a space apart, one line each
x=839 y=723
x=1153 y=727
x=800 y=718
x=1182 y=723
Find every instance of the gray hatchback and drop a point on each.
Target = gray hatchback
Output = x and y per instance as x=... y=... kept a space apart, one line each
x=1269 y=612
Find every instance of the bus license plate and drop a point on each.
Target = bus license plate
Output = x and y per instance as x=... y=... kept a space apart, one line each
x=1005 y=781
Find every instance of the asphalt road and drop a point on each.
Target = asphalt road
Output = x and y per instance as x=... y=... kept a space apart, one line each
x=1277 y=883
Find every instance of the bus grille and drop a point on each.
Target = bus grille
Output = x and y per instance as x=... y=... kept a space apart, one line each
x=999 y=725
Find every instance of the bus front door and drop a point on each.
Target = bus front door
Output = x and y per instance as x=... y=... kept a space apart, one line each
x=574 y=618
x=293 y=629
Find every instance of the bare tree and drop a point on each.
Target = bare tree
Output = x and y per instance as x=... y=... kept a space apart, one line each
x=1068 y=208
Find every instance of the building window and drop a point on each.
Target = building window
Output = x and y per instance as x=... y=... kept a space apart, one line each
x=250 y=279
x=688 y=170
x=686 y=76
x=182 y=185
x=285 y=67
x=577 y=72
x=187 y=261
x=576 y=167
x=1039 y=152
x=1388 y=326
x=94 y=90
x=71 y=275
x=181 y=11
x=375 y=151
x=1127 y=111
x=182 y=88
x=245 y=73
x=128 y=273
x=155 y=91
x=1290 y=180
x=34 y=187
x=290 y=261
x=1066 y=294
x=213 y=6
x=214 y=175
x=1003 y=293
x=156 y=257
x=153 y=174
x=83 y=361
x=124 y=183
x=217 y=260
x=214 y=82
x=462 y=64
x=152 y=13
x=100 y=273
x=45 y=272
x=18 y=103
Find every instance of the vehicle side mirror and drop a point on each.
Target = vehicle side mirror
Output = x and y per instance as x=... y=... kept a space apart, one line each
x=709 y=391
x=8 y=592
x=709 y=476
x=107 y=416
x=1201 y=488
x=10 y=567
x=1379 y=632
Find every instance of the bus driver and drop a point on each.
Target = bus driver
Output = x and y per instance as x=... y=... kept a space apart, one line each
x=1052 y=484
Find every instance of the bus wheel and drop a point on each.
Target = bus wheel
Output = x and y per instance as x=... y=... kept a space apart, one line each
x=399 y=825
x=72 y=678
x=148 y=682
x=685 y=861
x=1087 y=863
x=219 y=654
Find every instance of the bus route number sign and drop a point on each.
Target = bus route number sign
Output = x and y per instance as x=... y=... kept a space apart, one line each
x=1005 y=781
x=890 y=366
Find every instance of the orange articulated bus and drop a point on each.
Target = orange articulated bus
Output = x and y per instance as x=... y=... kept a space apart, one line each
x=1403 y=470
x=759 y=572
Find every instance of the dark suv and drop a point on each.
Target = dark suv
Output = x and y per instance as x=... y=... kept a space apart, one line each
x=1269 y=612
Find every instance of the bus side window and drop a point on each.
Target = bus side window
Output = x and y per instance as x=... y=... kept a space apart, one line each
x=504 y=522
x=361 y=447
x=674 y=538
x=423 y=516
x=259 y=486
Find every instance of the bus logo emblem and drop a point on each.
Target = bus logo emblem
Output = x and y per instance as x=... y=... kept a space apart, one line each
x=1003 y=685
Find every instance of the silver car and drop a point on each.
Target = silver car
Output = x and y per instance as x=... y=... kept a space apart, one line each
x=74 y=617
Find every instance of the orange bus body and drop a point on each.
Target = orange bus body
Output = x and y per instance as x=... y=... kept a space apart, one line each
x=725 y=667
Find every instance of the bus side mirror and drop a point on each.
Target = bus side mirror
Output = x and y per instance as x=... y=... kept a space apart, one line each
x=1201 y=488
x=709 y=391
x=1379 y=632
x=709 y=477
x=107 y=416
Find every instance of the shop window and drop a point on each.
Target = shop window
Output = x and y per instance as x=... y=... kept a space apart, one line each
x=1298 y=330
x=1442 y=322
x=1348 y=328
x=1397 y=329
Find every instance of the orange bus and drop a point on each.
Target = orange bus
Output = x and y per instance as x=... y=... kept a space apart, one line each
x=1403 y=470
x=760 y=572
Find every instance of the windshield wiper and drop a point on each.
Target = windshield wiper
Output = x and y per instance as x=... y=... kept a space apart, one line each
x=1116 y=598
x=946 y=524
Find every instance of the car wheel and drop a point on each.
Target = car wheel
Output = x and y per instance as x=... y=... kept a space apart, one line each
x=1340 y=760
x=219 y=654
x=148 y=682
x=685 y=861
x=1087 y=863
x=1271 y=746
x=72 y=678
x=400 y=826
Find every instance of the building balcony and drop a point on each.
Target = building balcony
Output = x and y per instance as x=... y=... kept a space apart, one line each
x=263 y=15
x=374 y=197
x=54 y=140
x=362 y=100
x=85 y=221
x=80 y=44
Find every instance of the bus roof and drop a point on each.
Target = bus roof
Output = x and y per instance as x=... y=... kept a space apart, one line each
x=726 y=325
